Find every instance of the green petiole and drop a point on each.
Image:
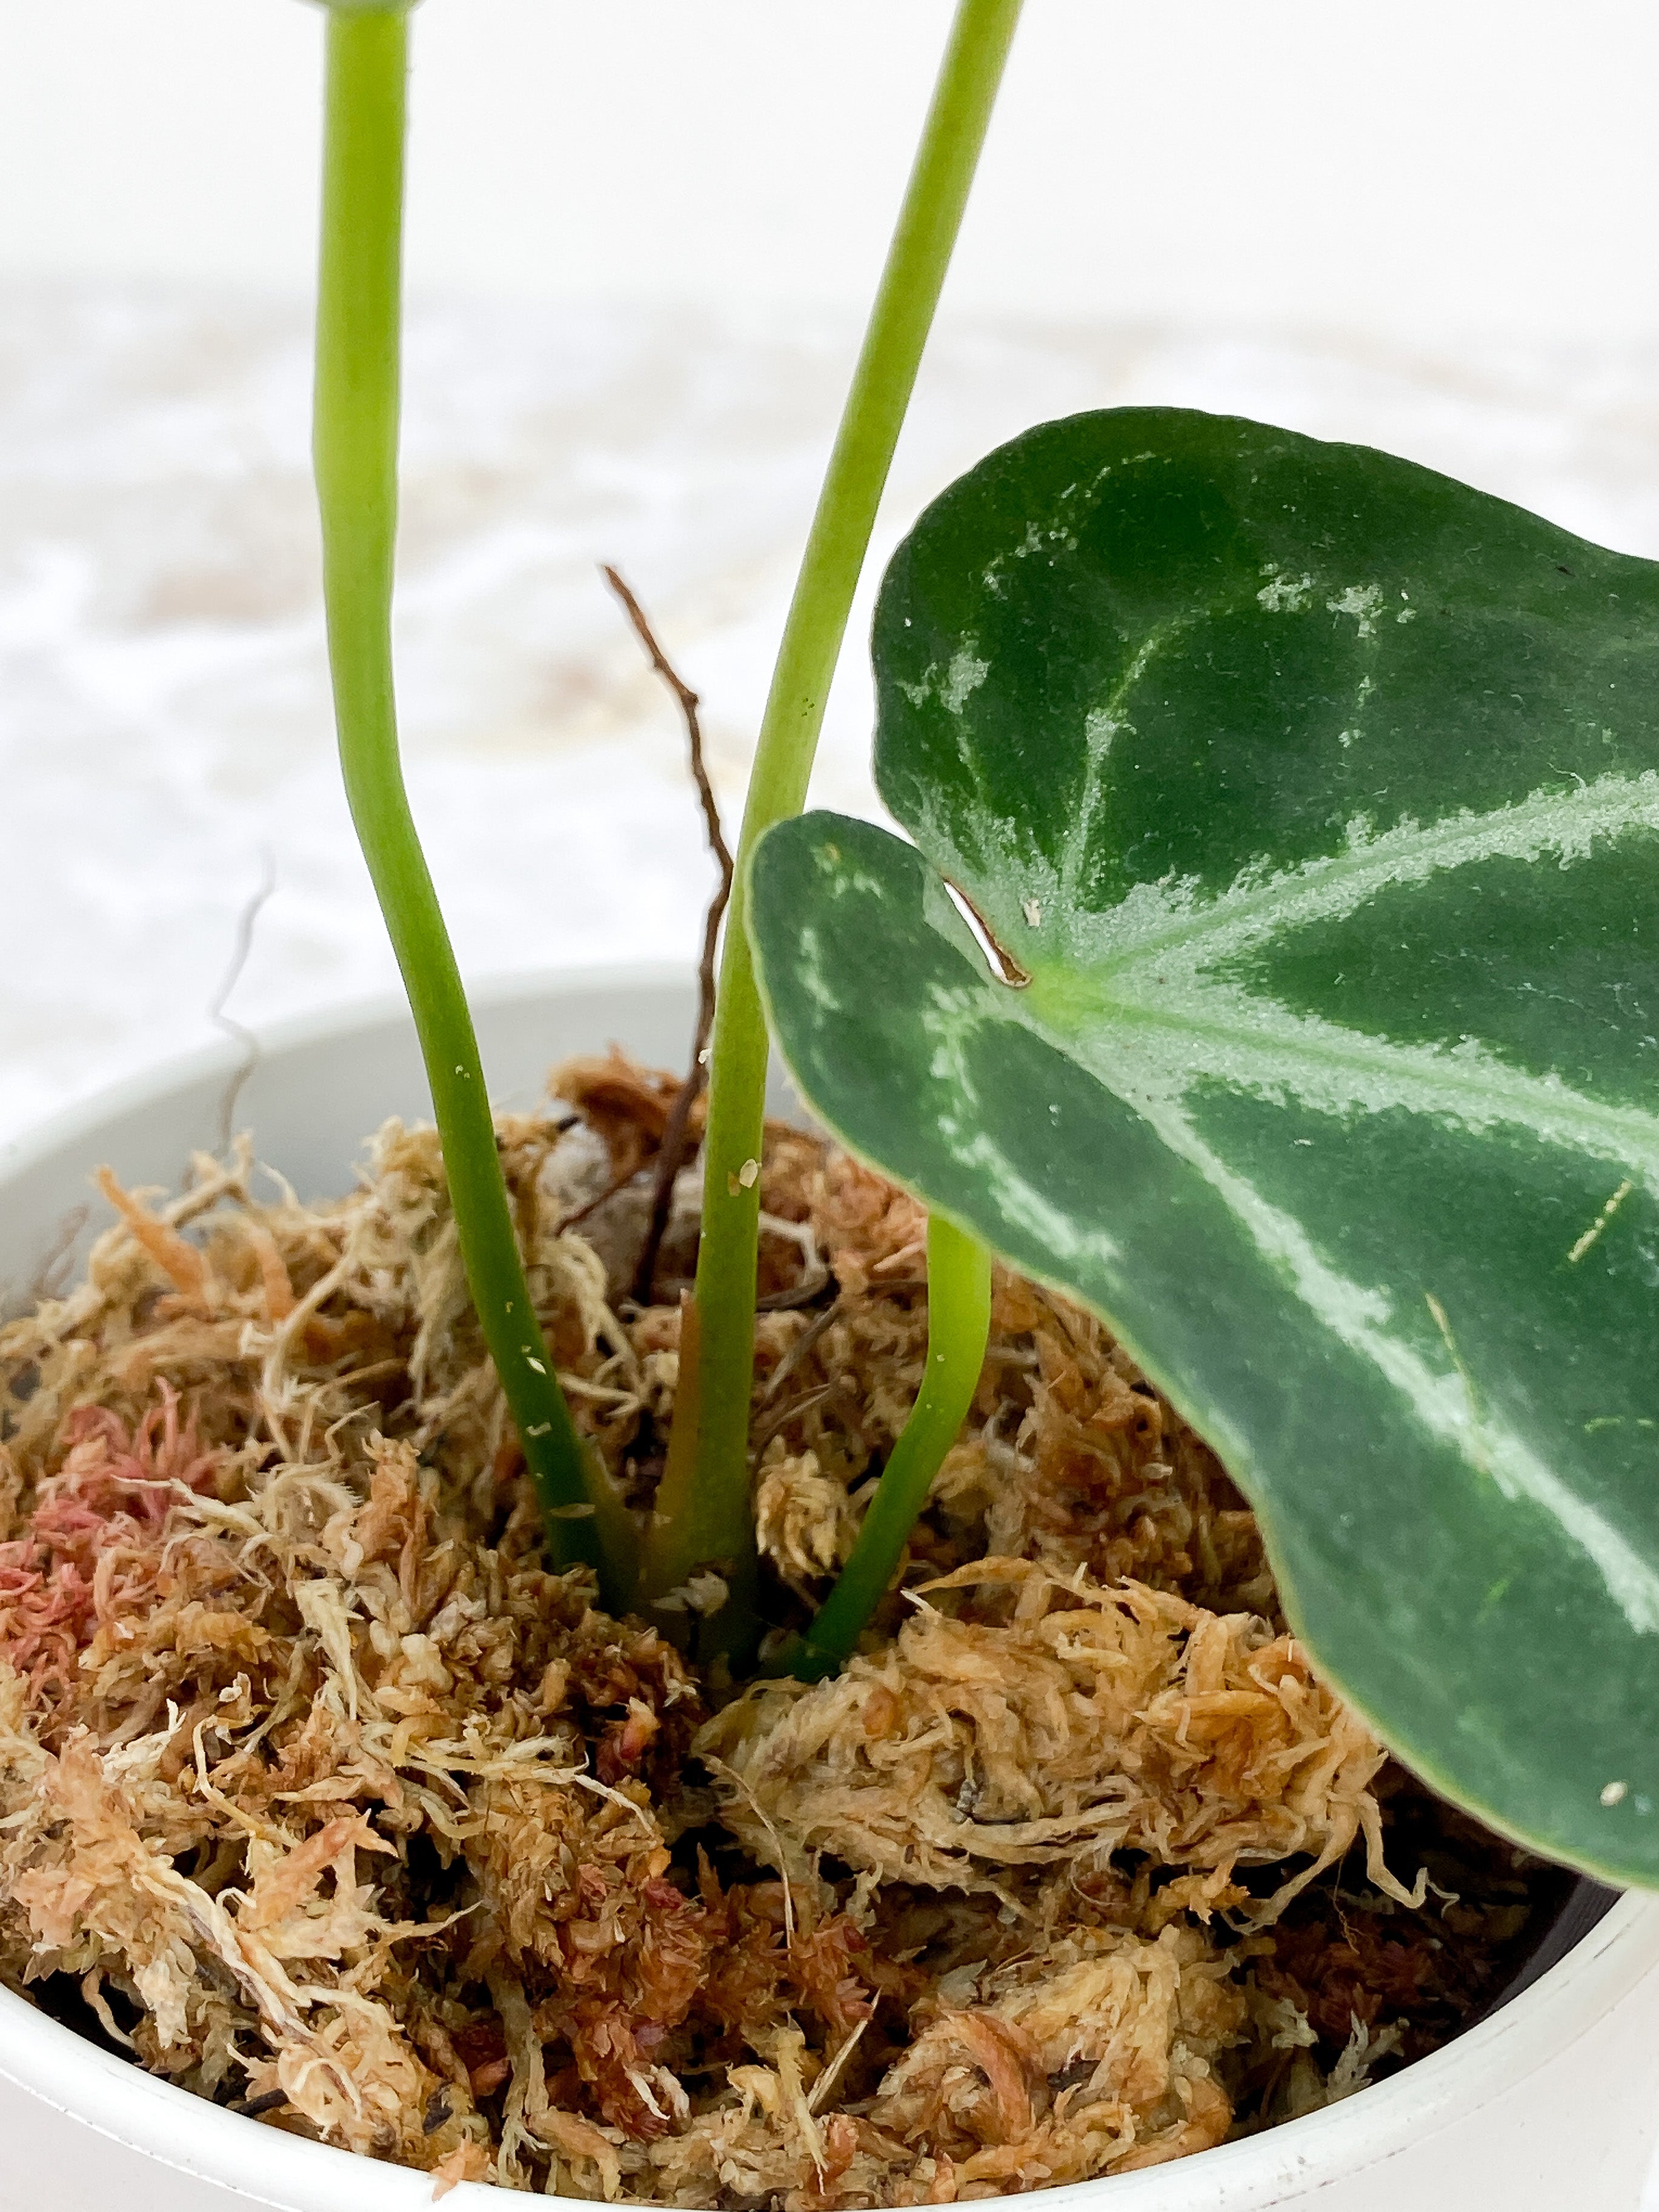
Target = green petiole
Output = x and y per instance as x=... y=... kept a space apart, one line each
x=359 y=333
x=958 y=1328
x=708 y=1519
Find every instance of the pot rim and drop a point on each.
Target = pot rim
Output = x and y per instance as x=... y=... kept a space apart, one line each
x=155 y=2118
x=159 y=2120
x=222 y=1056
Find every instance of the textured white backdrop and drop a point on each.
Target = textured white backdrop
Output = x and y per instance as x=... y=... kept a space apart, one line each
x=1427 y=168
x=164 y=728
x=164 y=725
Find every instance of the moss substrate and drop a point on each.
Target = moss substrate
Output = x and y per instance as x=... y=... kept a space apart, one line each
x=325 y=1799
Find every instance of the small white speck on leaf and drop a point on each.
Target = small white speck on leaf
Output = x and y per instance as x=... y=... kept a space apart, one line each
x=539 y=1429
x=537 y=1365
x=1032 y=909
x=1615 y=1793
x=1283 y=594
x=962 y=679
x=748 y=1173
x=1363 y=601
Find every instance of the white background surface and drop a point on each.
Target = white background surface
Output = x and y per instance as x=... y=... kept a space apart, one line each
x=164 y=720
x=641 y=235
x=1422 y=171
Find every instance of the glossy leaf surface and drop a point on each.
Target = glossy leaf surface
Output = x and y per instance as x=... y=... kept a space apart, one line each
x=1318 y=798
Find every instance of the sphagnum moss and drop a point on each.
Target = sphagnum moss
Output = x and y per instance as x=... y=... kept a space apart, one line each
x=326 y=1799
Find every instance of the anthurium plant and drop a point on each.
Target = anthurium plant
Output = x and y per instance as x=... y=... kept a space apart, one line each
x=1272 y=970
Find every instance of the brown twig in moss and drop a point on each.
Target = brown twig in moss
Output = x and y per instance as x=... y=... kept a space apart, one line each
x=672 y=1155
x=580 y=1213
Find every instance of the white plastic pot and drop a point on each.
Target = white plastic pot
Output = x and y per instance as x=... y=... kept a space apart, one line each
x=1550 y=2105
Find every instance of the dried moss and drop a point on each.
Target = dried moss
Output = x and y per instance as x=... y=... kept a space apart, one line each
x=324 y=1799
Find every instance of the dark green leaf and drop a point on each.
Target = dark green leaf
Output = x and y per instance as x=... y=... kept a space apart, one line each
x=1319 y=798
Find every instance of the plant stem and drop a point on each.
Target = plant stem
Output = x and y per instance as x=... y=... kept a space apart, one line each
x=359 y=313
x=714 y=1523
x=958 y=1329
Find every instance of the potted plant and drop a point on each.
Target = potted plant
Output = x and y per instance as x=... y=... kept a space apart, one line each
x=1263 y=983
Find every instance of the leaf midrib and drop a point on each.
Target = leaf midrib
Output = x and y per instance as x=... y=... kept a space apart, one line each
x=1333 y=884
x=1098 y=1028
